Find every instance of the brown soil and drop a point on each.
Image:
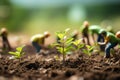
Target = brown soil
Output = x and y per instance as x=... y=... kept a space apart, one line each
x=77 y=66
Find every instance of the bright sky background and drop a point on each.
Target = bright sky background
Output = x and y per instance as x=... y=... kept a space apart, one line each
x=59 y=3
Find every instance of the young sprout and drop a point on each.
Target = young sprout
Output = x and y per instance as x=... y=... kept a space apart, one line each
x=88 y=50
x=18 y=53
x=65 y=42
x=78 y=44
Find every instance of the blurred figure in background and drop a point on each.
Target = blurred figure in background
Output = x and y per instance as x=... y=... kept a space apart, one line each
x=38 y=41
x=110 y=40
x=117 y=35
x=95 y=29
x=85 y=31
x=4 y=35
x=74 y=35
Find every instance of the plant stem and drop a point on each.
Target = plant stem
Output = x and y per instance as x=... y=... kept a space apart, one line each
x=63 y=53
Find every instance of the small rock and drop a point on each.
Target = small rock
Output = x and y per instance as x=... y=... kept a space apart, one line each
x=76 y=78
x=0 y=56
x=12 y=57
x=12 y=71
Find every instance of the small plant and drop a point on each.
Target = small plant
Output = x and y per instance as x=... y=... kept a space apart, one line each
x=88 y=50
x=18 y=53
x=65 y=42
x=78 y=44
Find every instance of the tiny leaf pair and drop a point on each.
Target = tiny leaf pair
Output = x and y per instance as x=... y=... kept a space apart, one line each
x=78 y=44
x=18 y=53
x=88 y=50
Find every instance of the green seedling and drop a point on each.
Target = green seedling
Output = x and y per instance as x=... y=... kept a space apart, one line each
x=78 y=44
x=18 y=53
x=65 y=42
x=88 y=50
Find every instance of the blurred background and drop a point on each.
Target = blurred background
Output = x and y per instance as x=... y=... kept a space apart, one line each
x=36 y=16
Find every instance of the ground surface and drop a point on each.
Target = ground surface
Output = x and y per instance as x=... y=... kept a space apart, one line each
x=77 y=66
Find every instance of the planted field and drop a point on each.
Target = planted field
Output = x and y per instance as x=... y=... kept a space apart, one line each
x=79 y=62
x=77 y=66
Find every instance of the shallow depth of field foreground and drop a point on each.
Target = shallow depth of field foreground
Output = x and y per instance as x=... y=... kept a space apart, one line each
x=59 y=40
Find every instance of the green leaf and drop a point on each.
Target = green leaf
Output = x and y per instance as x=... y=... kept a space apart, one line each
x=60 y=49
x=55 y=44
x=65 y=50
x=18 y=53
x=69 y=47
x=87 y=52
x=69 y=41
x=80 y=46
x=66 y=30
x=19 y=48
x=90 y=48
x=14 y=53
x=60 y=35
x=77 y=42
x=17 y=56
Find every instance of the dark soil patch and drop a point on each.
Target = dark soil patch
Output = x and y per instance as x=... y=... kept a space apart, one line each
x=45 y=67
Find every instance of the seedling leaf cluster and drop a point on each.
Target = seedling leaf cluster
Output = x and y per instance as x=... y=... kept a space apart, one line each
x=18 y=53
x=88 y=50
x=78 y=44
x=65 y=42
